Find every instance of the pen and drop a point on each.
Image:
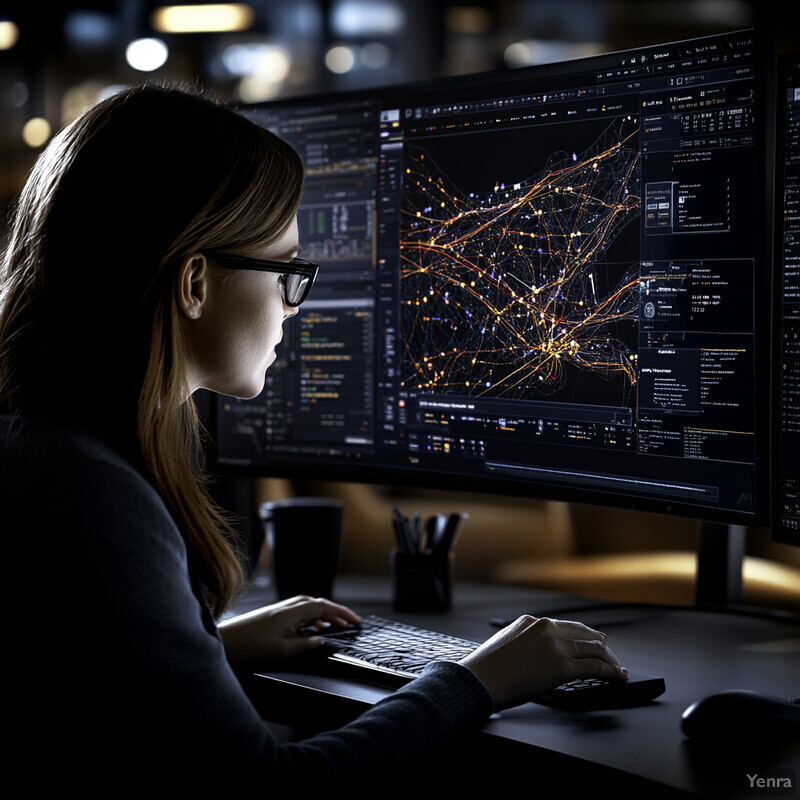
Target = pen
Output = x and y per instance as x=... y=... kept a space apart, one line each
x=452 y=528
x=407 y=538
x=399 y=531
x=431 y=533
x=416 y=533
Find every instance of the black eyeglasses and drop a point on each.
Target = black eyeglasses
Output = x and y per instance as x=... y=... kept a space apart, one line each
x=298 y=274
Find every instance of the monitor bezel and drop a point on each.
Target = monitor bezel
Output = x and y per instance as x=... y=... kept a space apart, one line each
x=782 y=62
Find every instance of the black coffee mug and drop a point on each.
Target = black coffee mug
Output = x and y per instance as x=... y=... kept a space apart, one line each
x=304 y=535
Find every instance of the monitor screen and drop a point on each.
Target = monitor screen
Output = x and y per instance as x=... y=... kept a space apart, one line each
x=551 y=281
x=786 y=517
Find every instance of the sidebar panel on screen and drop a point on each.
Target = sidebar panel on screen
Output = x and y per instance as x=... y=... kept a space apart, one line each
x=318 y=398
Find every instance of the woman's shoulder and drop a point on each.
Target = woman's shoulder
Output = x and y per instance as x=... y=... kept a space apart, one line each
x=54 y=472
x=32 y=447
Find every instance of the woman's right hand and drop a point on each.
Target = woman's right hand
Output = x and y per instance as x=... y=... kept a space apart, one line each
x=533 y=655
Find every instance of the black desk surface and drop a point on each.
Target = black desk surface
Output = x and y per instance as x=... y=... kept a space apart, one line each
x=696 y=651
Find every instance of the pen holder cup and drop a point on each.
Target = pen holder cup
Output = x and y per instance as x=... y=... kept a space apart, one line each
x=422 y=581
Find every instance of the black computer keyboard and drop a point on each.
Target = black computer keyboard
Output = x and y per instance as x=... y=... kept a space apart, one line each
x=394 y=653
x=393 y=647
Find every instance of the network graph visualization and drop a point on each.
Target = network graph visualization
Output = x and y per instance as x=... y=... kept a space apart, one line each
x=506 y=291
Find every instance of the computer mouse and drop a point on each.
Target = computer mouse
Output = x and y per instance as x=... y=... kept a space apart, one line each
x=742 y=714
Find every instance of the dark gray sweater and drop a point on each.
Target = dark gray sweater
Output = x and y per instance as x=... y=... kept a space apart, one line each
x=117 y=662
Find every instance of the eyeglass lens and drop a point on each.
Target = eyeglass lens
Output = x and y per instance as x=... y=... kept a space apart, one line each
x=295 y=288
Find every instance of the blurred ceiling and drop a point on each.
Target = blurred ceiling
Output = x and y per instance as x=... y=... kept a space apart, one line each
x=55 y=62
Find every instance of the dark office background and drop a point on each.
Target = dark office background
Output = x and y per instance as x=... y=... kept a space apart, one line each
x=55 y=61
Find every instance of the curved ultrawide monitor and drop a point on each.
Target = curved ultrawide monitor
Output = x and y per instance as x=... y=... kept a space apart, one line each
x=551 y=281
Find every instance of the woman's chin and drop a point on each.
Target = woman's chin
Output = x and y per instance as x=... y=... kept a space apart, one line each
x=246 y=390
x=248 y=393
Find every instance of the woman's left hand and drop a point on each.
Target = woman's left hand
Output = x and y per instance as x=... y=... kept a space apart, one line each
x=271 y=633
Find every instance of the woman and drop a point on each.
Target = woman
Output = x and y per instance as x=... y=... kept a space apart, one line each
x=119 y=300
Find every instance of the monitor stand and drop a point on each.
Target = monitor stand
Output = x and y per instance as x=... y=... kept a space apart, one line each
x=720 y=558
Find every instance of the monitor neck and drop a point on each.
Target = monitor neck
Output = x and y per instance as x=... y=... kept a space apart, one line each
x=720 y=557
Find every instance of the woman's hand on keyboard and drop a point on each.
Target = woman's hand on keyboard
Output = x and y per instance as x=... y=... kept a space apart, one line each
x=271 y=633
x=531 y=656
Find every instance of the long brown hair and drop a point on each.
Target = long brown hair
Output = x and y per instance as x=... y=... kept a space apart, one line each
x=88 y=317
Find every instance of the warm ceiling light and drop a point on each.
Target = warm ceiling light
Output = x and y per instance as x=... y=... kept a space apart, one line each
x=36 y=132
x=147 y=55
x=212 y=18
x=9 y=33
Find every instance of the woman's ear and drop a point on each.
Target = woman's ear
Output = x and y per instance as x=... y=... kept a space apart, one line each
x=192 y=286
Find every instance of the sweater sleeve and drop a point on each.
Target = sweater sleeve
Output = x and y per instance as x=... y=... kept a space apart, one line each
x=420 y=719
x=140 y=663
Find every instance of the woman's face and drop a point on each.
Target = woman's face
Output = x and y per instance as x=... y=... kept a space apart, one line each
x=232 y=342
